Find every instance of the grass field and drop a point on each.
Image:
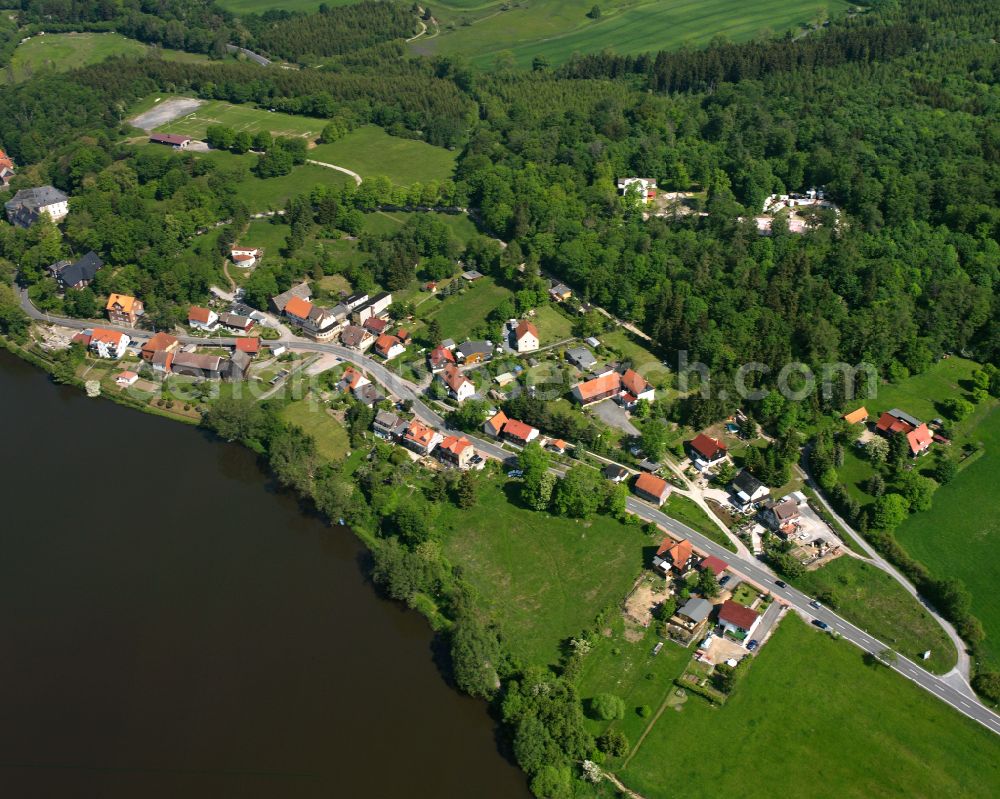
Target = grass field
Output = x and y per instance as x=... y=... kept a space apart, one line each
x=242 y=117
x=552 y=325
x=543 y=578
x=811 y=719
x=685 y=510
x=871 y=599
x=61 y=52
x=460 y=313
x=260 y=6
x=385 y=222
x=371 y=152
x=556 y=29
x=960 y=535
x=642 y=360
x=331 y=437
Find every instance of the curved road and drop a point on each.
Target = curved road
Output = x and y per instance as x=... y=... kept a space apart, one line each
x=750 y=570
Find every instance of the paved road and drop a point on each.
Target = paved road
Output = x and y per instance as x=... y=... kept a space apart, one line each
x=747 y=569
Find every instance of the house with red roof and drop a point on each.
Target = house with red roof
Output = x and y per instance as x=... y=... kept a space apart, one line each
x=738 y=620
x=107 y=343
x=706 y=451
x=456 y=451
x=175 y=140
x=600 y=388
x=352 y=379
x=524 y=337
x=519 y=432
x=918 y=436
x=717 y=565
x=439 y=358
x=250 y=345
x=635 y=389
x=494 y=425
x=389 y=347
x=652 y=488
x=245 y=258
x=202 y=318
x=674 y=556
x=420 y=438
x=459 y=387
x=160 y=342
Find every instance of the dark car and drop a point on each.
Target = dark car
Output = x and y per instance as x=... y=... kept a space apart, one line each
x=781 y=584
x=724 y=580
x=815 y=604
x=752 y=645
x=821 y=624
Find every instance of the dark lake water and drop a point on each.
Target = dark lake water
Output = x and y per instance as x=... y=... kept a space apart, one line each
x=170 y=627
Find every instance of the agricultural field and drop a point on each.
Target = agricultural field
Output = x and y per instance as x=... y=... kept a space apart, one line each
x=960 y=535
x=371 y=152
x=868 y=597
x=556 y=29
x=331 y=437
x=535 y=572
x=60 y=52
x=812 y=719
x=242 y=117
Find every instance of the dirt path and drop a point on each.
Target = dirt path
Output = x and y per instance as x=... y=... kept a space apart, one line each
x=344 y=169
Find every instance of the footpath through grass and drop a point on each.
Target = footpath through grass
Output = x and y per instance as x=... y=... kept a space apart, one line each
x=370 y=152
x=542 y=578
x=811 y=719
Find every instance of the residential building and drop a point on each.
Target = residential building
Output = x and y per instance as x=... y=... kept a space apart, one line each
x=317 y=323
x=652 y=488
x=202 y=318
x=738 y=620
x=494 y=425
x=439 y=358
x=590 y=341
x=375 y=326
x=472 y=275
x=25 y=207
x=389 y=347
x=747 y=489
x=717 y=565
x=238 y=365
x=556 y=445
x=162 y=361
x=174 y=140
x=251 y=346
x=459 y=387
x=126 y=379
x=644 y=188
x=706 y=451
x=420 y=438
x=368 y=395
x=245 y=258
x=456 y=451
x=519 y=432
x=376 y=306
x=781 y=516
x=107 y=343
x=160 y=342
x=525 y=337
x=241 y=324
x=388 y=425
x=674 y=556
x=355 y=337
x=918 y=436
x=694 y=611
x=302 y=291
x=473 y=352
x=404 y=335
x=210 y=367
x=6 y=170
x=615 y=473
x=124 y=310
x=581 y=358
x=860 y=416
x=79 y=274
x=635 y=389
x=352 y=379
x=600 y=388
x=560 y=292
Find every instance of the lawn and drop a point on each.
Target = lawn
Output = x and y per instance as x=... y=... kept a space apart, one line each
x=542 y=578
x=370 y=151
x=242 y=117
x=556 y=29
x=552 y=325
x=686 y=511
x=812 y=719
x=460 y=313
x=871 y=599
x=265 y=235
x=386 y=222
x=960 y=535
x=640 y=358
x=312 y=416
x=64 y=51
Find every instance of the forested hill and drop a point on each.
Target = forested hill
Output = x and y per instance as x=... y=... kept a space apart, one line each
x=905 y=139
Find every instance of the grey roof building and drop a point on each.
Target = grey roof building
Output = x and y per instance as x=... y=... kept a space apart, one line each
x=581 y=358
x=27 y=205
x=302 y=291
x=80 y=274
x=695 y=610
x=480 y=349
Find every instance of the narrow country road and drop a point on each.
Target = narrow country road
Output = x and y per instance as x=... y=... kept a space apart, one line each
x=746 y=568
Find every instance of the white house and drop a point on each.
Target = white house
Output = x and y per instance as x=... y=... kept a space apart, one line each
x=245 y=258
x=738 y=620
x=126 y=379
x=644 y=188
x=525 y=337
x=25 y=207
x=202 y=318
x=389 y=347
x=460 y=388
x=108 y=343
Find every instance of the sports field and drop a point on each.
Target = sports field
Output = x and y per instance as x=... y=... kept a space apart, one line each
x=242 y=117
x=812 y=720
x=556 y=29
x=372 y=152
x=61 y=52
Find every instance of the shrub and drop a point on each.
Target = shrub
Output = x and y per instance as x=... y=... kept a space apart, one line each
x=607 y=707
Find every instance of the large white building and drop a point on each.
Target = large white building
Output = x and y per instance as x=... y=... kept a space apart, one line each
x=25 y=207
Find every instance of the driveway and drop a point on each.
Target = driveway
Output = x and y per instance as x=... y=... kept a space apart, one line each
x=614 y=415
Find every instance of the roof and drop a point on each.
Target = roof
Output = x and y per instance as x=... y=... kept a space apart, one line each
x=127 y=303
x=198 y=314
x=651 y=484
x=696 y=609
x=296 y=306
x=419 y=433
x=738 y=615
x=897 y=421
x=352 y=335
x=375 y=325
x=368 y=394
x=746 y=483
x=678 y=554
x=352 y=377
x=126 y=375
x=37 y=198
x=192 y=360
x=441 y=354
x=497 y=422
x=634 y=382
x=717 y=565
x=472 y=274
x=160 y=342
x=786 y=509
x=473 y=347
x=240 y=360
x=385 y=342
x=604 y=384
x=581 y=355
x=919 y=439
x=82 y=338
x=455 y=445
x=82 y=270
x=518 y=430
x=614 y=471
x=244 y=257
x=856 y=416
x=168 y=138
x=302 y=291
x=453 y=377
x=386 y=419
x=250 y=345
x=235 y=320
x=523 y=328
x=100 y=334
x=557 y=443
x=706 y=445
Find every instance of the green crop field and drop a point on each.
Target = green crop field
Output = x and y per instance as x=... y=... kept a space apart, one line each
x=960 y=535
x=868 y=597
x=811 y=719
x=242 y=117
x=537 y=574
x=370 y=152
x=556 y=29
x=60 y=52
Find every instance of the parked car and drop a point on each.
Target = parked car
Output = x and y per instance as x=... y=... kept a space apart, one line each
x=821 y=624
x=781 y=584
x=753 y=645
x=724 y=580
x=815 y=604
x=515 y=473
